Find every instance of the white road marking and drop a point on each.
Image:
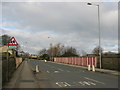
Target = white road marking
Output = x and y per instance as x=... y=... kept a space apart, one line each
x=86 y=83
x=62 y=84
x=81 y=83
x=58 y=84
x=94 y=80
x=67 y=84
x=92 y=83
x=60 y=69
x=48 y=72
x=56 y=71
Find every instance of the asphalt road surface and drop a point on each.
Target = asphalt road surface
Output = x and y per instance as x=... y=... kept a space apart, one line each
x=53 y=75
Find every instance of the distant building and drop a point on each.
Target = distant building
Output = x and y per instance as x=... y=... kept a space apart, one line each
x=91 y=55
x=33 y=56
x=3 y=49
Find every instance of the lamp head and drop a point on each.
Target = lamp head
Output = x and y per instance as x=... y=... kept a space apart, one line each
x=89 y=3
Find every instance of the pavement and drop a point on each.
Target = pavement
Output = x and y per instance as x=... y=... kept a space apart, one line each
x=113 y=72
x=22 y=78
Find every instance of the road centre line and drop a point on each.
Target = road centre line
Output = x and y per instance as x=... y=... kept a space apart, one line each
x=94 y=80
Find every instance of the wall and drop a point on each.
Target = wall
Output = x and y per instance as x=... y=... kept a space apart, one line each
x=18 y=61
x=111 y=62
x=8 y=67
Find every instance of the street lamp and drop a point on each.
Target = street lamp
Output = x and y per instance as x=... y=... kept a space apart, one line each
x=99 y=30
x=51 y=55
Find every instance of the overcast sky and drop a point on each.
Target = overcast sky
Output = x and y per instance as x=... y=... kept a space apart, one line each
x=70 y=23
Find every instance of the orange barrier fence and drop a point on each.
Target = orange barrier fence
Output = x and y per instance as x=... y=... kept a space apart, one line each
x=81 y=61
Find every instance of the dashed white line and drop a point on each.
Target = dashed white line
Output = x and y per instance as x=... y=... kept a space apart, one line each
x=56 y=71
x=94 y=80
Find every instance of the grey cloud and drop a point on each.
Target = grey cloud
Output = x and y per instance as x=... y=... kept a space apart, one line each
x=69 y=23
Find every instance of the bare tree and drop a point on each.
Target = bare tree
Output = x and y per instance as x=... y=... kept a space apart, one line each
x=58 y=50
x=43 y=51
x=70 y=52
x=5 y=39
x=84 y=53
x=96 y=50
x=55 y=50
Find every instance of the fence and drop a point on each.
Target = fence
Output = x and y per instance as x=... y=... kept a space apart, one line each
x=108 y=62
x=111 y=62
x=81 y=61
x=7 y=69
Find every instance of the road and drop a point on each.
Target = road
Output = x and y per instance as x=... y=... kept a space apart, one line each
x=53 y=75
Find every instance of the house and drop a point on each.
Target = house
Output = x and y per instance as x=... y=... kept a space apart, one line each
x=3 y=49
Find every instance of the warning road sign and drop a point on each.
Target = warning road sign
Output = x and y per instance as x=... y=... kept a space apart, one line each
x=12 y=42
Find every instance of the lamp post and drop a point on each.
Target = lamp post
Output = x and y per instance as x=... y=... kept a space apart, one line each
x=51 y=55
x=99 y=31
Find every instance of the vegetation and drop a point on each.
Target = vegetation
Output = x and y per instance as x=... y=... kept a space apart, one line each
x=96 y=50
x=58 y=50
x=5 y=39
x=44 y=57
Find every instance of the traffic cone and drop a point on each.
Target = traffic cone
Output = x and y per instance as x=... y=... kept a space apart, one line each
x=89 y=68
x=93 y=68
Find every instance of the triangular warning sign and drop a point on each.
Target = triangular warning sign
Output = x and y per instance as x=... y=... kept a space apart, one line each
x=12 y=42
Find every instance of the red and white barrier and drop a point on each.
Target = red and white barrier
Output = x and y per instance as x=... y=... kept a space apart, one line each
x=81 y=61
